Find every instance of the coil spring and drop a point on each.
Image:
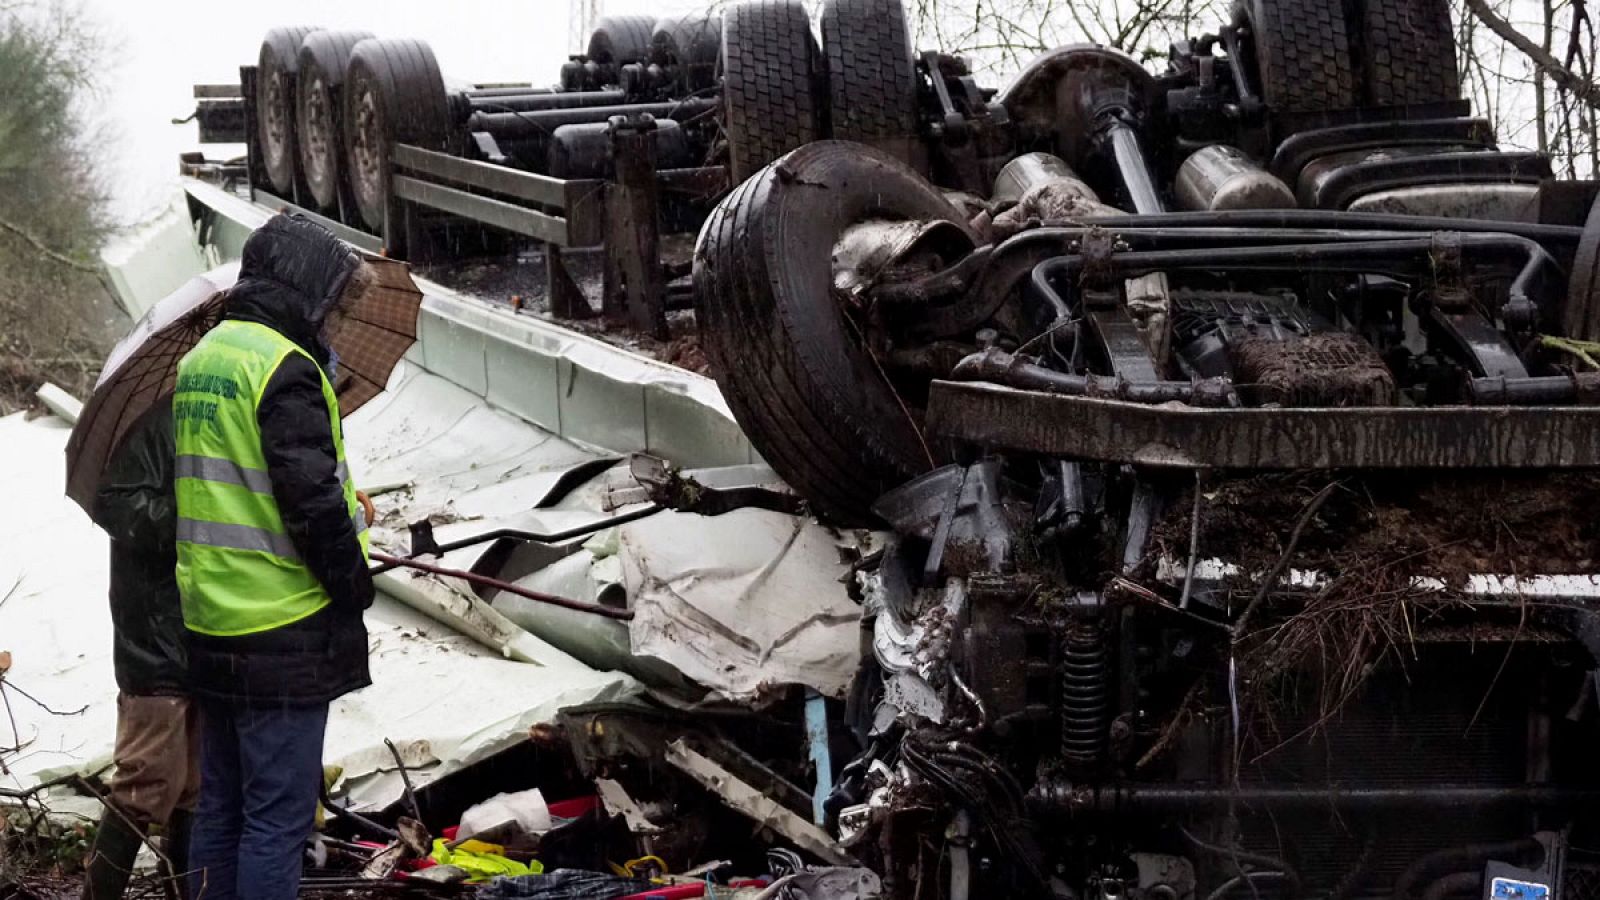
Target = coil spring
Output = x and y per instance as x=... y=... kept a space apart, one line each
x=1085 y=693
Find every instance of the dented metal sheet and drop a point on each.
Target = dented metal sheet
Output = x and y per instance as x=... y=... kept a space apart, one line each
x=731 y=603
x=744 y=601
x=444 y=698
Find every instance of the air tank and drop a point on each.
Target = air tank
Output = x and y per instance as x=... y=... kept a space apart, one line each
x=1031 y=170
x=1220 y=177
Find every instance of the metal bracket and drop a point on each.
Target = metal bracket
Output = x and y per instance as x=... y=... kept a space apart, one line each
x=634 y=287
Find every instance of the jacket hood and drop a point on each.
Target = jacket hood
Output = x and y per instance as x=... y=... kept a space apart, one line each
x=291 y=273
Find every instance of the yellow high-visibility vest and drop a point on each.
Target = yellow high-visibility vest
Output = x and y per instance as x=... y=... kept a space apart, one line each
x=238 y=570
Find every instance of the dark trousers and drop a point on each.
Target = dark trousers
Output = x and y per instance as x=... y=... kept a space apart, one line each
x=260 y=777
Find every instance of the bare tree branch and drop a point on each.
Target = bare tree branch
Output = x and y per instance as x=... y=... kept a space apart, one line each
x=1563 y=77
x=42 y=247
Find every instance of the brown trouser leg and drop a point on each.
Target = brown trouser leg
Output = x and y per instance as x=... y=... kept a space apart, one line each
x=158 y=758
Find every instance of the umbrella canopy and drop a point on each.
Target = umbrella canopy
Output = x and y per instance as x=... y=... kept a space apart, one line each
x=142 y=370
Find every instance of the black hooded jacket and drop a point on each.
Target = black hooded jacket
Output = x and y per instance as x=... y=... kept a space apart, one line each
x=291 y=275
x=136 y=507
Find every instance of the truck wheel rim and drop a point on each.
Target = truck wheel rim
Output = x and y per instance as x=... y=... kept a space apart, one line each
x=367 y=151
x=276 y=122
x=317 y=138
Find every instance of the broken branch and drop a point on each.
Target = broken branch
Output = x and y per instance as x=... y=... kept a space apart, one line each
x=1276 y=571
x=40 y=703
x=1564 y=77
x=42 y=247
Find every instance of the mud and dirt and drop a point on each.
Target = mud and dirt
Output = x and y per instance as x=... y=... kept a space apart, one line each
x=1446 y=525
x=1368 y=540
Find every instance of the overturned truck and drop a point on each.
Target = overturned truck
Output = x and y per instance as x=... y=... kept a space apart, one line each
x=1236 y=427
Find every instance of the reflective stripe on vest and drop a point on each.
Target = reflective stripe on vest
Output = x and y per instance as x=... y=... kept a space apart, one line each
x=239 y=572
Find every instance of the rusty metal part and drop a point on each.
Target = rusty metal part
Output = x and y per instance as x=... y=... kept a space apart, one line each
x=1183 y=437
x=868 y=251
x=670 y=488
x=999 y=366
x=485 y=581
x=1328 y=369
x=1582 y=388
x=934 y=286
x=634 y=291
x=1533 y=292
x=1013 y=260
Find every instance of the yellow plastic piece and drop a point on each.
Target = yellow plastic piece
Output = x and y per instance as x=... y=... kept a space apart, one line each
x=482 y=861
x=659 y=863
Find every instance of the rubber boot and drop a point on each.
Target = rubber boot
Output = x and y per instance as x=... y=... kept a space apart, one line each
x=116 y=845
x=178 y=831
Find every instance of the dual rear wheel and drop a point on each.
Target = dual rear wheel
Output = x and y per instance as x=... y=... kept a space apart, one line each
x=1313 y=56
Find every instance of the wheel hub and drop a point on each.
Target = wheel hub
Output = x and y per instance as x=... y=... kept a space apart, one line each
x=273 y=117
x=318 y=136
x=367 y=150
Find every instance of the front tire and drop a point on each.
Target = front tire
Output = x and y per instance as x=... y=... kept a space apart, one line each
x=789 y=360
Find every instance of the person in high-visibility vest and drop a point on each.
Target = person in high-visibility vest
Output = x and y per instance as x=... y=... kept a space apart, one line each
x=272 y=565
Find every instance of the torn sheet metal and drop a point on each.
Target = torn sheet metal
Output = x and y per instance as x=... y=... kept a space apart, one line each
x=444 y=699
x=739 y=795
x=732 y=603
x=427 y=449
x=743 y=601
x=617 y=802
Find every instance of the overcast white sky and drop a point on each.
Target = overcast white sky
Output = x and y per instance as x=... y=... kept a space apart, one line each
x=158 y=49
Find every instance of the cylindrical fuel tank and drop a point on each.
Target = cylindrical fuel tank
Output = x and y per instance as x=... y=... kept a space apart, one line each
x=1220 y=177
x=1031 y=170
x=584 y=151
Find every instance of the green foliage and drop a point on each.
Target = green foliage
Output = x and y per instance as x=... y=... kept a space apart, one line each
x=56 y=317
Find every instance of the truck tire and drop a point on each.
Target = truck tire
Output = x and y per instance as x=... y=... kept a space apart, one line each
x=807 y=392
x=872 y=79
x=620 y=40
x=1580 y=318
x=1302 y=54
x=319 y=120
x=277 y=71
x=1409 y=50
x=771 y=104
x=393 y=95
x=692 y=43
